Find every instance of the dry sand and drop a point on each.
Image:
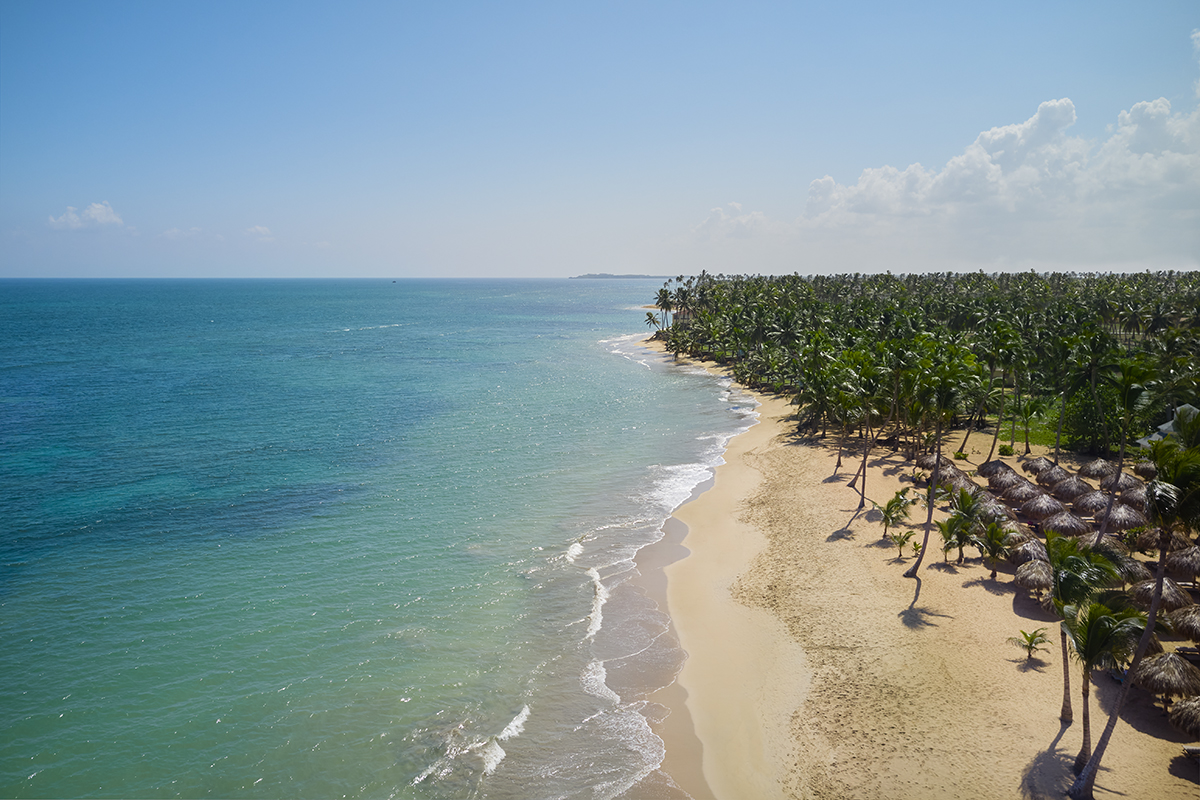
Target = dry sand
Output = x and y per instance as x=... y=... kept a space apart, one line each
x=816 y=670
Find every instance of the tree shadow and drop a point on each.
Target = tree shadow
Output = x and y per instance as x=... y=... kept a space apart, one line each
x=881 y=543
x=1049 y=774
x=873 y=515
x=1035 y=664
x=995 y=587
x=916 y=617
x=944 y=566
x=836 y=478
x=1026 y=607
x=840 y=534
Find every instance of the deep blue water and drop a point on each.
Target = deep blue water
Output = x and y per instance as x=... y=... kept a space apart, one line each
x=337 y=538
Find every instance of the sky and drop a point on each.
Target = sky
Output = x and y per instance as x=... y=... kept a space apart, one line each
x=520 y=139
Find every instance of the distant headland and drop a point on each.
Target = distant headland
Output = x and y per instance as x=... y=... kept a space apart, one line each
x=596 y=275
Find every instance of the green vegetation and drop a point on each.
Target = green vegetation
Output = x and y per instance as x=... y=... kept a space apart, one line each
x=1031 y=642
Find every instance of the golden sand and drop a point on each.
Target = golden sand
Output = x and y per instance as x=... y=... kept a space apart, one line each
x=816 y=670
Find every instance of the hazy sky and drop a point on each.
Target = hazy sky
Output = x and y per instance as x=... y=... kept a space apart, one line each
x=551 y=139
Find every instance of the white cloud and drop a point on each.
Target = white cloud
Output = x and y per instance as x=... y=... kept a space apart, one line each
x=96 y=214
x=1019 y=194
x=261 y=232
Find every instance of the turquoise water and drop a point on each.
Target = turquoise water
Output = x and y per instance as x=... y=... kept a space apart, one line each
x=337 y=538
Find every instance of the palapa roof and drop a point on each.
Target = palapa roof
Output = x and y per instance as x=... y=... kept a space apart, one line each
x=1035 y=574
x=1173 y=596
x=1135 y=497
x=1041 y=507
x=1036 y=465
x=1186 y=561
x=1149 y=540
x=1123 y=517
x=1119 y=482
x=1029 y=550
x=989 y=468
x=928 y=460
x=1000 y=481
x=1022 y=492
x=1185 y=715
x=1186 y=621
x=1070 y=488
x=1091 y=504
x=1098 y=469
x=1145 y=470
x=1067 y=524
x=1168 y=674
x=1049 y=477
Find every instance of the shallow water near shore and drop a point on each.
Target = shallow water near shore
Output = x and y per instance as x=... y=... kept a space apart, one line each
x=338 y=538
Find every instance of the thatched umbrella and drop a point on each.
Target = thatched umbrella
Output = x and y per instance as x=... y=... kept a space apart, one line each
x=1098 y=469
x=1023 y=492
x=1186 y=561
x=1029 y=550
x=1067 y=524
x=1123 y=517
x=1131 y=570
x=929 y=460
x=1041 y=507
x=1035 y=575
x=1149 y=540
x=1036 y=465
x=1186 y=716
x=989 y=468
x=1135 y=497
x=1145 y=470
x=1186 y=621
x=999 y=481
x=995 y=510
x=1091 y=504
x=1173 y=596
x=1049 y=477
x=1119 y=482
x=1169 y=675
x=1070 y=488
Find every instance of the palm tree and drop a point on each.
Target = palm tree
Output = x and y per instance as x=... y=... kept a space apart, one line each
x=665 y=302
x=1030 y=408
x=895 y=511
x=993 y=545
x=1132 y=379
x=1076 y=573
x=1030 y=641
x=1101 y=637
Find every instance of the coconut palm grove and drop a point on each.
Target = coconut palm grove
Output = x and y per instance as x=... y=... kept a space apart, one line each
x=1102 y=367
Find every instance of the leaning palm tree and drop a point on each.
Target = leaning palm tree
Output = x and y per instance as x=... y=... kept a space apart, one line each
x=1101 y=637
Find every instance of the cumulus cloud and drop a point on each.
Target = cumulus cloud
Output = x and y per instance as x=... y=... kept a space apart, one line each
x=1028 y=193
x=95 y=215
x=261 y=232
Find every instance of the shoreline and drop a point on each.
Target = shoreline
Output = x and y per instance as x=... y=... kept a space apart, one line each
x=815 y=670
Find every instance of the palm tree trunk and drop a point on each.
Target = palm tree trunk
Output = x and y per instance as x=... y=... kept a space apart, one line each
x=1065 y=715
x=1062 y=414
x=999 y=419
x=911 y=572
x=1085 y=752
x=1083 y=786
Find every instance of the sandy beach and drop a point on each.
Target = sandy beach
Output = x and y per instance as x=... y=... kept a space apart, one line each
x=816 y=670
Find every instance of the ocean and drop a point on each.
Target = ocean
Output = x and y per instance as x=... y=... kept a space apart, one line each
x=339 y=538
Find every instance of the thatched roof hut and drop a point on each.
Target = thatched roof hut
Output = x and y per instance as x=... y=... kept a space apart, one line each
x=999 y=481
x=1069 y=489
x=1091 y=504
x=1123 y=517
x=1098 y=469
x=1135 y=497
x=1036 y=465
x=1185 y=715
x=989 y=468
x=1023 y=492
x=1067 y=524
x=1185 y=621
x=1145 y=470
x=1168 y=675
x=1049 y=477
x=1035 y=575
x=1029 y=550
x=1185 y=561
x=1041 y=507
x=1149 y=539
x=1173 y=596
x=927 y=461
x=1119 y=482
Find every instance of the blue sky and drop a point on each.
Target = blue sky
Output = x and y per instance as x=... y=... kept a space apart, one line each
x=527 y=139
